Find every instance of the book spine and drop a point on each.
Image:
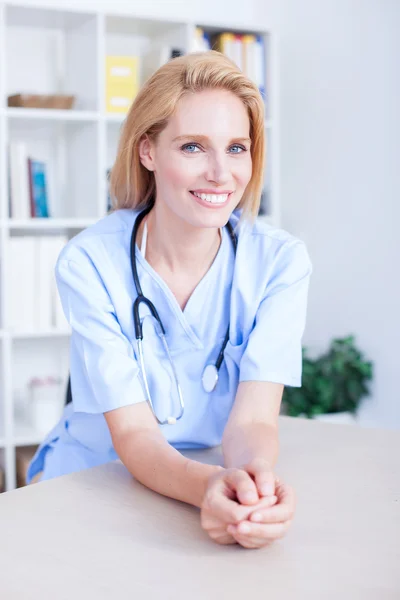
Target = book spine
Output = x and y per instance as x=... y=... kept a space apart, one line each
x=19 y=181
x=21 y=284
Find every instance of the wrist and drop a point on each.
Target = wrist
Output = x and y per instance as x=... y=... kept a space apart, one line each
x=199 y=475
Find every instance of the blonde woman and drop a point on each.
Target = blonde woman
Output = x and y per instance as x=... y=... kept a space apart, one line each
x=182 y=254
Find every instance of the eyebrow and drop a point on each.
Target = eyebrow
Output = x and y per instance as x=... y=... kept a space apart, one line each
x=204 y=138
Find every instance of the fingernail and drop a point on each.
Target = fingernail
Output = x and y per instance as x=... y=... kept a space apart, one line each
x=244 y=528
x=256 y=517
x=250 y=497
x=267 y=489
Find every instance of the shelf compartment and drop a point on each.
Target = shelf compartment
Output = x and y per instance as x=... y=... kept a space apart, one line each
x=64 y=147
x=52 y=52
x=36 y=358
x=25 y=435
x=142 y=38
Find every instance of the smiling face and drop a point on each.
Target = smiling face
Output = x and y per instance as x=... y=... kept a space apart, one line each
x=201 y=160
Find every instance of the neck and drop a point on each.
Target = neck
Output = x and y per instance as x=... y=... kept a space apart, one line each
x=178 y=246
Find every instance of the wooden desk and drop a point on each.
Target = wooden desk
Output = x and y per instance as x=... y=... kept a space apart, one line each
x=100 y=535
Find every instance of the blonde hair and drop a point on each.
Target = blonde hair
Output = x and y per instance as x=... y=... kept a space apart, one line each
x=131 y=184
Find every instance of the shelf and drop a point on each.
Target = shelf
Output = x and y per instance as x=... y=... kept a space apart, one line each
x=43 y=18
x=25 y=435
x=120 y=117
x=131 y=26
x=62 y=50
x=47 y=223
x=115 y=117
x=28 y=335
x=51 y=114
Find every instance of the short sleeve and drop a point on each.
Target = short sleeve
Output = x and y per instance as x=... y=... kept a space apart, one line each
x=103 y=369
x=273 y=351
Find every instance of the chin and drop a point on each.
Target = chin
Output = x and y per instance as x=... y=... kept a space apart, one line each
x=216 y=219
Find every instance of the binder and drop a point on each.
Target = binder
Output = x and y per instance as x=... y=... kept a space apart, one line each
x=43 y=283
x=19 y=181
x=21 y=284
x=122 y=82
x=58 y=319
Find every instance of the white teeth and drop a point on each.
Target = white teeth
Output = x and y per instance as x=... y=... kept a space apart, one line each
x=213 y=198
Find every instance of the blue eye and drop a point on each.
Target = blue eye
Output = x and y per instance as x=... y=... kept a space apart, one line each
x=193 y=148
x=187 y=147
x=241 y=148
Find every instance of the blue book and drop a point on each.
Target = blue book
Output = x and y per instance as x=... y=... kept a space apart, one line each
x=39 y=192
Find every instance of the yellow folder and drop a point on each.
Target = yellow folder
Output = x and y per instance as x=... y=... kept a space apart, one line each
x=122 y=82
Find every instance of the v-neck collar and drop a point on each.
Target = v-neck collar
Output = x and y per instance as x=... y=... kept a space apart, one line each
x=182 y=315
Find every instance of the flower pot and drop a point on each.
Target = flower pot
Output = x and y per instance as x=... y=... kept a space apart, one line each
x=342 y=418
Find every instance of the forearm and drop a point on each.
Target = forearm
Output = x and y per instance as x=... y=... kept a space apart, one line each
x=240 y=445
x=158 y=466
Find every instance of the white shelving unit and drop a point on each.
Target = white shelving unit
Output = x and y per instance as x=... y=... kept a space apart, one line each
x=56 y=50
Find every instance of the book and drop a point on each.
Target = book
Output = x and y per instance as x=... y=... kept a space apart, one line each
x=21 y=283
x=157 y=56
x=109 y=201
x=56 y=244
x=43 y=283
x=201 y=41
x=19 y=187
x=38 y=188
x=247 y=52
x=32 y=294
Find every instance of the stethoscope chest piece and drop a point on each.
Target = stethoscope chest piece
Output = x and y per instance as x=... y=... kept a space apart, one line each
x=210 y=378
x=210 y=373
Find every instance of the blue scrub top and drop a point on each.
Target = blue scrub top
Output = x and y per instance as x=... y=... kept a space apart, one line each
x=262 y=293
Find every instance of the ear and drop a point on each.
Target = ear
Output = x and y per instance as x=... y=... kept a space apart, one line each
x=146 y=153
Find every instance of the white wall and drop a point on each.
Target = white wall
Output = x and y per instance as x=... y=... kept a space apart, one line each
x=340 y=173
x=183 y=10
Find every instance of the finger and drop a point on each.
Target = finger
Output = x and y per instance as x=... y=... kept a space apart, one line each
x=279 y=513
x=264 y=477
x=221 y=536
x=261 y=531
x=222 y=508
x=264 y=503
x=243 y=485
x=286 y=494
x=251 y=543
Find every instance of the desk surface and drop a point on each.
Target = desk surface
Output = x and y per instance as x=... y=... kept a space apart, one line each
x=99 y=534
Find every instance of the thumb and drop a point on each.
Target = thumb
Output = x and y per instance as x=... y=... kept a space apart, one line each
x=266 y=483
x=264 y=478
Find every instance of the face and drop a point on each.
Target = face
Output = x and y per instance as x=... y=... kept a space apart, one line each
x=201 y=160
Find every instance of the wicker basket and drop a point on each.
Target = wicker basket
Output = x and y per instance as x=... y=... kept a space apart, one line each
x=41 y=101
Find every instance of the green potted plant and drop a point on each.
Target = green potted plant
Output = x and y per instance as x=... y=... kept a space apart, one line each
x=333 y=384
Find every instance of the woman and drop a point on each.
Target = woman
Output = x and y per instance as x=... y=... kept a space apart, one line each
x=190 y=161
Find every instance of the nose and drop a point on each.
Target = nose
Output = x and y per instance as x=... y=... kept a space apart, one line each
x=218 y=170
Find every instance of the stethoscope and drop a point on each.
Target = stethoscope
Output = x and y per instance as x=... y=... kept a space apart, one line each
x=210 y=373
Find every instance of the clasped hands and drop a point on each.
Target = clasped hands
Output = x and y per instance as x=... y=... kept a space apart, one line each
x=247 y=505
